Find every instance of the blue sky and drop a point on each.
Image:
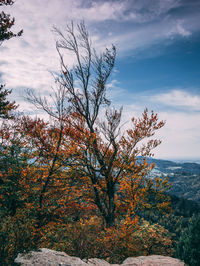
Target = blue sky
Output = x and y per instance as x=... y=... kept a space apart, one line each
x=157 y=66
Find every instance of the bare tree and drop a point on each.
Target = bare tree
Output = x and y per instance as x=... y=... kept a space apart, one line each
x=104 y=157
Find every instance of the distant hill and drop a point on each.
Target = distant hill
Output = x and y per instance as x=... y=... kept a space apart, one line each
x=184 y=177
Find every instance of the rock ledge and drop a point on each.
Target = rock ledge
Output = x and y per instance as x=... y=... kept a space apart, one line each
x=48 y=257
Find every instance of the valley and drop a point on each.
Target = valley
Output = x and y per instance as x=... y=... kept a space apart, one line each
x=183 y=177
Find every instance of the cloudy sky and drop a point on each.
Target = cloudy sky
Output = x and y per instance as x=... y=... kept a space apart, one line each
x=158 y=59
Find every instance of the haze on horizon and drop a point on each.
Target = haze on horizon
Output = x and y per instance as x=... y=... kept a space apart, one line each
x=158 y=59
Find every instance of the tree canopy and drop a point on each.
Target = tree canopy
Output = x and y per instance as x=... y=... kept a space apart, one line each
x=5 y=34
x=6 y=22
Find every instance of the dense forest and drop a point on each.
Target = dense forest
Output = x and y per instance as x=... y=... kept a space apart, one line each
x=73 y=182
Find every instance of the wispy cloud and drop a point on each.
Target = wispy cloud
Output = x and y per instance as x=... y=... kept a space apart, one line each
x=129 y=24
x=137 y=11
x=180 y=135
x=101 y=11
x=179 y=99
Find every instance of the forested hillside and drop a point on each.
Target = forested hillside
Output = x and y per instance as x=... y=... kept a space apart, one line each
x=183 y=177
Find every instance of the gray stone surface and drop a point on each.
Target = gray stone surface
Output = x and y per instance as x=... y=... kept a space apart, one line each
x=153 y=260
x=48 y=257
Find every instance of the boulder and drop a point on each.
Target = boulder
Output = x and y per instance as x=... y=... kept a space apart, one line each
x=48 y=257
x=153 y=260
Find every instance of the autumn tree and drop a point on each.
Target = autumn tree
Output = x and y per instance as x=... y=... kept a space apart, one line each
x=51 y=149
x=108 y=162
x=16 y=219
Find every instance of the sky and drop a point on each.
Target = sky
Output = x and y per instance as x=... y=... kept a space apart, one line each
x=157 y=65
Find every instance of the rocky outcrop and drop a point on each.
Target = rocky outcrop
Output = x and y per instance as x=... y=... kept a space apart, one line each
x=48 y=257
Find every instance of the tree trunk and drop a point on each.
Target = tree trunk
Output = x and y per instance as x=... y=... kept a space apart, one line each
x=110 y=220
